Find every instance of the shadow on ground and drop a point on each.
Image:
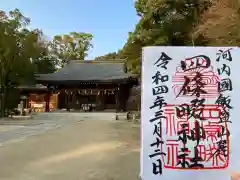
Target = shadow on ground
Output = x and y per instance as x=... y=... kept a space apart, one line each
x=89 y=150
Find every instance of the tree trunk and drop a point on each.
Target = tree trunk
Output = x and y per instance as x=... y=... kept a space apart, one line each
x=2 y=94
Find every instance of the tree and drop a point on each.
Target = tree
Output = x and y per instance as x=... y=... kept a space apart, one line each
x=166 y=22
x=45 y=64
x=163 y=22
x=109 y=56
x=73 y=46
x=18 y=48
x=220 y=24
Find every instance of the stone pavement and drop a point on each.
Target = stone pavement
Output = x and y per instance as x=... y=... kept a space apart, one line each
x=78 y=150
x=15 y=130
x=4 y=128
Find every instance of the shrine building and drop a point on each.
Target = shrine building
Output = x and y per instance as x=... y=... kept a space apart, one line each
x=86 y=86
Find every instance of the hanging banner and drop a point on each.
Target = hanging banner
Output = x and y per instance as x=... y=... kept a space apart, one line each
x=190 y=112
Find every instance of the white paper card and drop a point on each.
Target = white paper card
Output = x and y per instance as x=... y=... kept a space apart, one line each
x=189 y=113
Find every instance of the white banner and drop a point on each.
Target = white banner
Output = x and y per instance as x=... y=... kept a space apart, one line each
x=190 y=112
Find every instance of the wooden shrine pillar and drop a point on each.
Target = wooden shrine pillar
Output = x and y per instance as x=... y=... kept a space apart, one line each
x=101 y=102
x=98 y=101
x=67 y=97
x=122 y=96
x=61 y=99
x=47 y=101
x=74 y=103
x=117 y=99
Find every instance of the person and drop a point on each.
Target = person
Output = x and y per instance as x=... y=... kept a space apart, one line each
x=235 y=176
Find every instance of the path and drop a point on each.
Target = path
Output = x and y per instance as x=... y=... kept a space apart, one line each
x=76 y=150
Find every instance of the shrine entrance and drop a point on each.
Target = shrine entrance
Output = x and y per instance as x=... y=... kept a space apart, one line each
x=87 y=100
x=90 y=86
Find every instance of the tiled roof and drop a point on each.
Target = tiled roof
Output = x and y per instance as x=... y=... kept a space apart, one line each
x=88 y=71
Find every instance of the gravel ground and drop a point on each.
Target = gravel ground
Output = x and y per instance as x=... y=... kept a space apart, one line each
x=62 y=149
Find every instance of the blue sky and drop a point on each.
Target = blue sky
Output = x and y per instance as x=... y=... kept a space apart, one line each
x=108 y=20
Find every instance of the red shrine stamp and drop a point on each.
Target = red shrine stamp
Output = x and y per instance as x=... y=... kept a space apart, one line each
x=196 y=65
x=207 y=139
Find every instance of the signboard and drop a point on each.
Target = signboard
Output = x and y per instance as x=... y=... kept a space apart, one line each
x=190 y=113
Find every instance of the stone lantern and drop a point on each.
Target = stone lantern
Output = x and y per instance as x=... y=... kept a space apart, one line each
x=23 y=103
